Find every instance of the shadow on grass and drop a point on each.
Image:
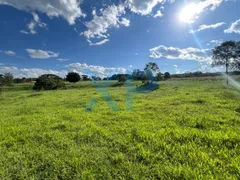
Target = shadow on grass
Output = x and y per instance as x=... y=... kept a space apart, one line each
x=147 y=88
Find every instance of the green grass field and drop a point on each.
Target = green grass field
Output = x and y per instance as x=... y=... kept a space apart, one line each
x=187 y=129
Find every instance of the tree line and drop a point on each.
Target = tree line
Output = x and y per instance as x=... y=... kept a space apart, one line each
x=226 y=54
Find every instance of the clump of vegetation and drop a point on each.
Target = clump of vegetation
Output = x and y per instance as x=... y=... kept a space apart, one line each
x=73 y=77
x=167 y=75
x=122 y=78
x=6 y=79
x=48 y=82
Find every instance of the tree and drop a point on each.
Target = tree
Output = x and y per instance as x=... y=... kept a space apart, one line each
x=122 y=78
x=151 y=70
x=2 y=80
x=48 y=82
x=226 y=54
x=159 y=76
x=73 y=77
x=85 y=78
x=167 y=75
x=8 y=79
x=236 y=62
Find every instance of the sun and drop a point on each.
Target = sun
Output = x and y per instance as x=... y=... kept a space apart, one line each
x=188 y=12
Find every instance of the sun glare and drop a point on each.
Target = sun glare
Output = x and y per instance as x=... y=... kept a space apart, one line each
x=188 y=12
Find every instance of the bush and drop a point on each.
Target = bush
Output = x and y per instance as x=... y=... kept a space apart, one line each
x=122 y=79
x=6 y=79
x=167 y=75
x=73 y=77
x=48 y=82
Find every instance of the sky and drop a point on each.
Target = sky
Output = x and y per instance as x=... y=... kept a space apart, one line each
x=106 y=37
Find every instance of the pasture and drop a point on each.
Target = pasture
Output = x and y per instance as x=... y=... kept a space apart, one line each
x=186 y=129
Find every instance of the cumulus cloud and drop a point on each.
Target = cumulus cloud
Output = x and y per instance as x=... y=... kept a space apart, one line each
x=211 y=26
x=36 y=22
x=33 y=72
x=92 y=70
x=143 y=7
x=183 y=54
x=41 y=54
x=68 y=9
x=177 y=69
x=82 y=69
x=234 y=28
x=109 y=17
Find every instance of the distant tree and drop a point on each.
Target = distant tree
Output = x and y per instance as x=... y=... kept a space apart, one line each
x=73 y=77
x=18 y=80
x=85 y=78
x=95 y=78
x=151 y=69
x=2 y=80
x=48 y=82
x=159 y=77
x=122 y=78
x=226 y=54
x=236 y=62
x=167 y=75
x=8 y=79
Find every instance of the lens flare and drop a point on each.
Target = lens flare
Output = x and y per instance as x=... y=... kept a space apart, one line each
x=188 y=13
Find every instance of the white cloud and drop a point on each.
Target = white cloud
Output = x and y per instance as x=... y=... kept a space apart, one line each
x=24 y=32
x=33 y=72
x=68 y=9
x=89 y=70
x=143 y=7
x=62 y=60
x=109 y=17
x=99 y=43
x=234 y=28
x=10 y=53
x=125 y=22
x=36 y=22
x=183 y=54
x=177 y=69
x=41 y=54
x=216 y=41
x=158 y=14
x=211 y=26
x=95 y=70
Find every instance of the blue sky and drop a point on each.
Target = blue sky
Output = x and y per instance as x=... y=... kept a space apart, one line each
x=112 y=36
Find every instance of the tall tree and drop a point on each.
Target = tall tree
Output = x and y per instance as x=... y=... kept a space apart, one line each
x=151 y=69
x=225 y=54
x=8 y=77
x=236 y=62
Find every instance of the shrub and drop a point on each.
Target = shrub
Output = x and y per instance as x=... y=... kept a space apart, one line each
x=167 y=75
x=48 y=82
x=6 y=79
x=122 y=79
x=73 y=77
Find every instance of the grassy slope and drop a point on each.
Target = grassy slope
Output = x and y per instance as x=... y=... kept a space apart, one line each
x=184 y=130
